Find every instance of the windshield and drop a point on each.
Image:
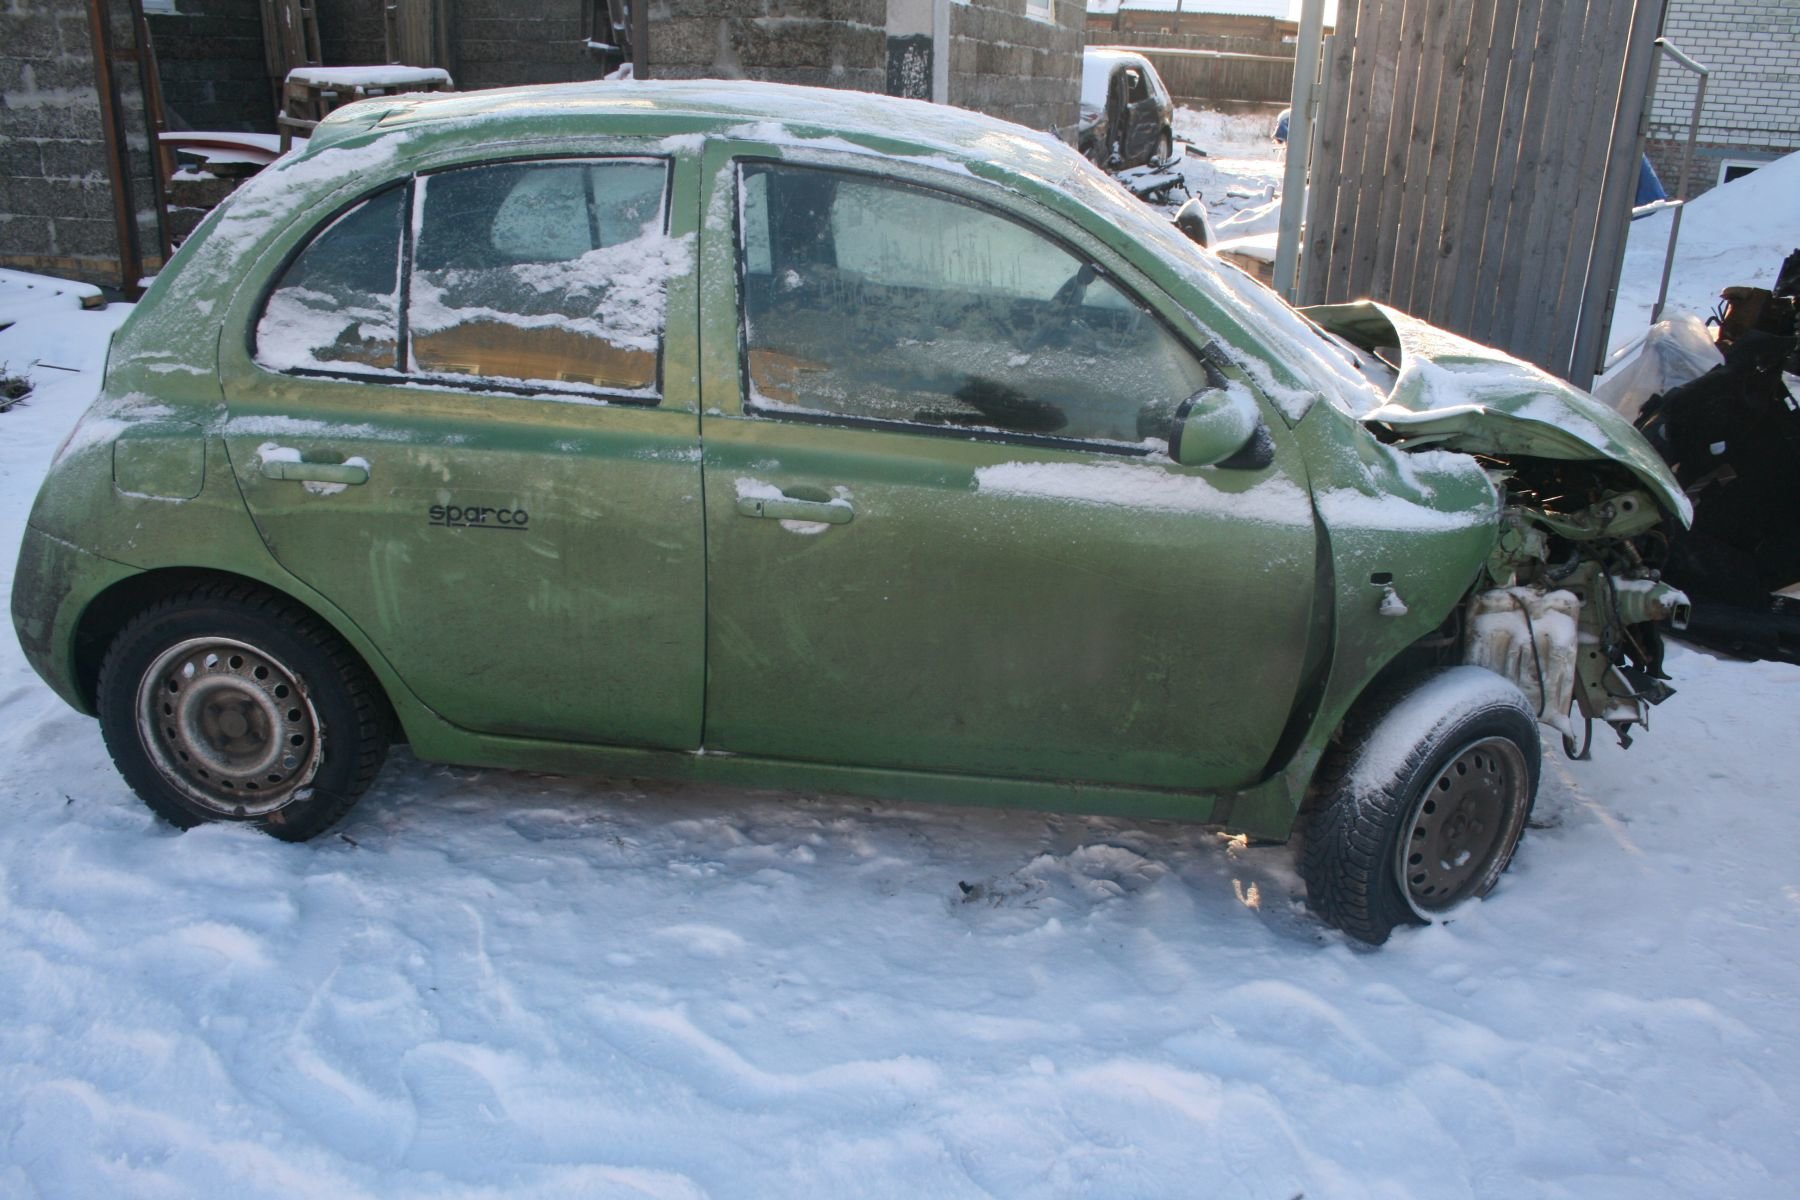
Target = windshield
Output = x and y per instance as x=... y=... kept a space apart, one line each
x=1305 y=362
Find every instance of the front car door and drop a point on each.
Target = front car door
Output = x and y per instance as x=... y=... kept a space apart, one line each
x=466 y=414
x=942 y=533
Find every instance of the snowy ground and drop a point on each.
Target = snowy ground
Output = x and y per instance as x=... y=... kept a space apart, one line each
x=493 y=984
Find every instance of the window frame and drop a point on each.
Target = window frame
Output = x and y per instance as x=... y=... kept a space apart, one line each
x=402 y=375
x=1204 y=356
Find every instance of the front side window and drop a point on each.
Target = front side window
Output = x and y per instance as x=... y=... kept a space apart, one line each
x=542 y=276
x=869 y=300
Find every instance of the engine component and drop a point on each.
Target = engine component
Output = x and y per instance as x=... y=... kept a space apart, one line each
x=1531 y=637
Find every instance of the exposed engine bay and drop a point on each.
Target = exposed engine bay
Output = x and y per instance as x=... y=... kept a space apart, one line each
x=1572 y=598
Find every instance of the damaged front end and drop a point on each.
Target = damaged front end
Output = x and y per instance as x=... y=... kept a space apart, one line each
x=1570 y=602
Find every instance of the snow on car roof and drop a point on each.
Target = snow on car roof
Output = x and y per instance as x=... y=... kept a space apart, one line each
x=710 y=104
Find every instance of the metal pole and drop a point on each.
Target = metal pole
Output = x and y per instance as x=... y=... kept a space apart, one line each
x=1299 y=144
x=1687 y=162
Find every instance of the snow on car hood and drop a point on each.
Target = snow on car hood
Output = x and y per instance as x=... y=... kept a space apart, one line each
x=1460 y=395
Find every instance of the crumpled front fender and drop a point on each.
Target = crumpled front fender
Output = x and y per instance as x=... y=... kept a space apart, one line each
x=1456 y=394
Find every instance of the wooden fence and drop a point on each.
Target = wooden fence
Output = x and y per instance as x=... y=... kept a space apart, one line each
x=1474 y=163
x=1205 y=70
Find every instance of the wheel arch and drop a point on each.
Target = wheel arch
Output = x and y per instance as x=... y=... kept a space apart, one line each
x=112 y=608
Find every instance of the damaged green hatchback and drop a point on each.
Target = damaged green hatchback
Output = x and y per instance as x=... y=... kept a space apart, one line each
x=809 y=439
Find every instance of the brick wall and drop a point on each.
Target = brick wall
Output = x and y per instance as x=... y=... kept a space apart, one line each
x=1752 y=108
x=56 y=208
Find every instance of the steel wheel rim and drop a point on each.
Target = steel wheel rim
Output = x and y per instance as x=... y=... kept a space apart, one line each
x=229 y=726
x=1463 y=828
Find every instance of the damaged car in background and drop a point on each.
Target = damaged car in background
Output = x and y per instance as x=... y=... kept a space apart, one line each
x=807 y=439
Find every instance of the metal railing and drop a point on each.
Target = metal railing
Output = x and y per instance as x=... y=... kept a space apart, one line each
x=1676 y=205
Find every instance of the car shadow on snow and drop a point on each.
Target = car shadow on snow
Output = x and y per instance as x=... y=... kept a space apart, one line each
x=991 y=870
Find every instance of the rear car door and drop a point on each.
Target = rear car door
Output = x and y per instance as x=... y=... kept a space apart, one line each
x=466 y=414
x=942 y=533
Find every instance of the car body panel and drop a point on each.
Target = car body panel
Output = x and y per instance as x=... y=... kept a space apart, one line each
x=583 y=619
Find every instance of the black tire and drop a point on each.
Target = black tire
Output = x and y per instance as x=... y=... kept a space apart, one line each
x=1447 y=766
x=1164 y=149
x=228 y=702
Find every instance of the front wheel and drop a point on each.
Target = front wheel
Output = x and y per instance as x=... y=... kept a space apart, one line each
x=227 y=702
x=1422 y=803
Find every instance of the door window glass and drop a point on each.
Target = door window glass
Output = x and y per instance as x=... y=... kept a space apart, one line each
x=871 y=300
x=337 y=305
x=543 y=273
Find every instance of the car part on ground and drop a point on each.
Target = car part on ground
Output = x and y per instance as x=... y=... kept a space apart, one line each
x=719 y=431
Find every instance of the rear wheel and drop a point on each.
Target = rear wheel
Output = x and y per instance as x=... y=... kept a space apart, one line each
x=227 y=702
x=1422 y=803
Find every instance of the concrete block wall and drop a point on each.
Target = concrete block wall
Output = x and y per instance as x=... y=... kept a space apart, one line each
x=1008 y=61
x=1752 y=108
x=821 y=43
x=1010 y=58
x=56 y=206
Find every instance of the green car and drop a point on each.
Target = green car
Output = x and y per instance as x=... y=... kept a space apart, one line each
x=809 y=439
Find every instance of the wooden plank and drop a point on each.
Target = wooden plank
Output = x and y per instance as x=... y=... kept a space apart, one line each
x=1476 y=317
x=1368 y=227
x=1553 y=317
x=1556 y=188
x=1477 y=132
x=1442 y=252
x=1355 y=110
x=1427 y=166
x=1411 y=65
x=1514 y=248
x=1325 y=173
x=1322 y=171
x=1334 y=218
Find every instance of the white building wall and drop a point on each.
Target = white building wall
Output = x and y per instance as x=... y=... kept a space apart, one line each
x=1752 y=109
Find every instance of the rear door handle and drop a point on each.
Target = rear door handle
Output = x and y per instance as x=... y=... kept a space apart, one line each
x=785 y=508
x=308 y=472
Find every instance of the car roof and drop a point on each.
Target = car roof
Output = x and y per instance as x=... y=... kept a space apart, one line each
x=760 y=111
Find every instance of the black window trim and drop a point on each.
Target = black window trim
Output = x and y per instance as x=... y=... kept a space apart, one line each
x=958 y=432
x=405 y=377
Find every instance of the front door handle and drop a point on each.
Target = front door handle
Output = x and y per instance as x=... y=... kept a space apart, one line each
x=351 y=472
x=786 y=508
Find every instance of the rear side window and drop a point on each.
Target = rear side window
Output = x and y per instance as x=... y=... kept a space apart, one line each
x=338 y=304
x=534 y=276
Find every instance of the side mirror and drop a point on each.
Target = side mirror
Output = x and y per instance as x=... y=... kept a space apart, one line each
x=1219 y=426
x=1192 y=221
